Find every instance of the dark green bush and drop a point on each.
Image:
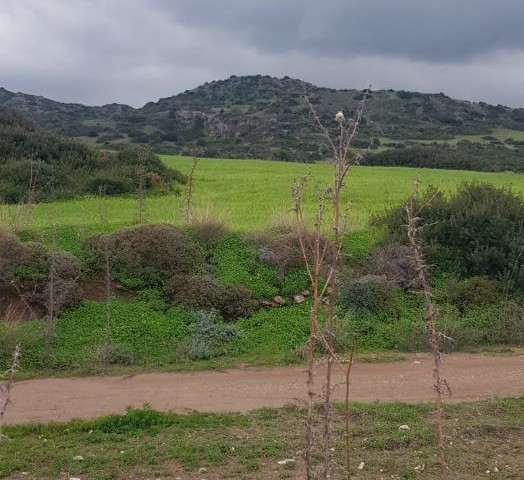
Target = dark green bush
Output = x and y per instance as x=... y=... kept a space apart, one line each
x=369 y=292
x=474 y=291
x=477 y=232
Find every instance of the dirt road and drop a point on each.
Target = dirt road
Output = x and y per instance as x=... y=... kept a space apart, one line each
x=471 y=377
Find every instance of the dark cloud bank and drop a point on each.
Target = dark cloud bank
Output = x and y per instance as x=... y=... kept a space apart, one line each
x=133 y=51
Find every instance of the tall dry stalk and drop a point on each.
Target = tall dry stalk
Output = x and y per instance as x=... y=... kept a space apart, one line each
x=324 y=275
x=7 y=385
x=440 y=384
x=141 y=186
x=188 y=207
x=51 y=301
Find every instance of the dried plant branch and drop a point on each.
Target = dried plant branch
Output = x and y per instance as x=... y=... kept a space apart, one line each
x=189 y=190
x=5 y=388
x=431 y=323
x=329 y=203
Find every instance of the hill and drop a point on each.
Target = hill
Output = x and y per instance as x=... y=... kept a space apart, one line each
x=36 y=165
x=265 y=117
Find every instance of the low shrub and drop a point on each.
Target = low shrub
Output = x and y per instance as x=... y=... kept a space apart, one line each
x=146 y=256
x=369 y=292
x=285 y=253
x=474 y=291
x=195 y=291
x=208 y=228
x=208 y=337
x=395 y=262
x=236 y=302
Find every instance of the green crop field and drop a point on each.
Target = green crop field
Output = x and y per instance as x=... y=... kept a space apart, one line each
x=251 y=194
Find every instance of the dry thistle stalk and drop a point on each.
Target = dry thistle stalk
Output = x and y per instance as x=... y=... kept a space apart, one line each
x=440 y=384
x=141 y=186
x=7 y=385
x=329 y=204
x=188 y=207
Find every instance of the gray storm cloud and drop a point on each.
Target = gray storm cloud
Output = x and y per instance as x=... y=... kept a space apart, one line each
x=134 y=51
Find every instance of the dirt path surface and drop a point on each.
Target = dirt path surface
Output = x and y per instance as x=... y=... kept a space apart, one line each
x=471 y=377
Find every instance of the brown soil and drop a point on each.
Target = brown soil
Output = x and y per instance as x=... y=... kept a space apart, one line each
x=471 y=377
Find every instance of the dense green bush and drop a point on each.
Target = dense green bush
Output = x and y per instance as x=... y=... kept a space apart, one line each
x=56 y=167
x=146 y=256
x=369 y=292
x=477 y=232
x=474 y=291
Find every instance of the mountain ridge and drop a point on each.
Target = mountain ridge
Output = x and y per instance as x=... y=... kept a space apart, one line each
x=265 y=117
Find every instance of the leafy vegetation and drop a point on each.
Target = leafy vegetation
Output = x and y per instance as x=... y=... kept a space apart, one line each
x=36 y=165
x=464 y=156
x=263 y=117
x=144 y=443
x=478 y=231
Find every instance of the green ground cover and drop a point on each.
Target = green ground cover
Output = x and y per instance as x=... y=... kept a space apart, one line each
x=483 y=439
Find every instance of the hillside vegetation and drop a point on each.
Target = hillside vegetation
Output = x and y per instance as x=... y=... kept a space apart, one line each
x=183 y=294
x=264 y=117
x=37 y=165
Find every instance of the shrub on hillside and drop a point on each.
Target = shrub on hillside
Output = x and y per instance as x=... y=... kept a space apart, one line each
x=209 y=337
x=46 y=280
x=477 y=232
x=285 y=252
x=147 y=255
x=395 y=262
x=236 y=302
x=208 y=229
x=196 y=291
x=474 y=291
x=369 y=292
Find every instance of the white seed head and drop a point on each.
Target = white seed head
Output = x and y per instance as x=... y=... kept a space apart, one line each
x=339 y=117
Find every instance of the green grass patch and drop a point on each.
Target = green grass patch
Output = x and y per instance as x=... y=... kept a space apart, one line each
x=144 y=443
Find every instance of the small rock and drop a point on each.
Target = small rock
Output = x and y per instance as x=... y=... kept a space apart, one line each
x=267 y=303
x=299 y=298
x=361 y=466
x=74 y=478
x=78 y=458
x=202 y=470
x=305 y=293
x=416 y=361
x=405 y=428
x=286 y=461
x=495 y=469
x=279 y=300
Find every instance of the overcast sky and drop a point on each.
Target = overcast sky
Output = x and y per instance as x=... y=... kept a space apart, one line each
x=135 y=51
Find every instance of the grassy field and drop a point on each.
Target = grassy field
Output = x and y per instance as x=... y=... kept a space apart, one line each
x=251 y=194
x=484 y=440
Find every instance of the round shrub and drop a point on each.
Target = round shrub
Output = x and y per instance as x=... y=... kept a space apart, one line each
x=369 y=292
x=150 y=253
x=285 y=252
x=474 y=291
x=396 y=263
x=236 y=302
x=196 y=291
x=477 y=232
